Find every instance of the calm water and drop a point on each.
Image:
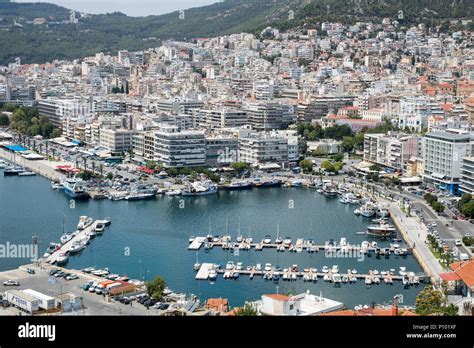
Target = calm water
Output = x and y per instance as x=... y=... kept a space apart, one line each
x=156 y=233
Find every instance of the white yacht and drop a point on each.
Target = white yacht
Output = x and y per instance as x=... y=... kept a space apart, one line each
x=212 y=274
x=200 y=188
x=173 y=193
x=76 y=247
x=99 y=228
x=66 y=237
x=230 y=266
x=62 y=259
x=84 y=222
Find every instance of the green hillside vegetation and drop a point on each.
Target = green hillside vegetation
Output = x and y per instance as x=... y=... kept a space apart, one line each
x=110 y=32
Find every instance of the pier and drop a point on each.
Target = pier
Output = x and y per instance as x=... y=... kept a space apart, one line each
x=301 y=245
x=309 y=275
x=65 y=247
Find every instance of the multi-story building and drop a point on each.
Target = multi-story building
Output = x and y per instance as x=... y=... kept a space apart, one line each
x=467 y=176
x=117 y=140
x=392 y=150
x=266 y=116
x=257 y=148
x=442 y=154
x=219 y=118
x=176 y=148
x=221 y=151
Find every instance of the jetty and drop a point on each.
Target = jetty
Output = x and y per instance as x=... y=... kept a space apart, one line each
x=310 y=275
x=52 y=259
x=301 y=245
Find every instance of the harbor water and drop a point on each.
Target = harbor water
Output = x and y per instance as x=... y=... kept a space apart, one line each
x=149 y=238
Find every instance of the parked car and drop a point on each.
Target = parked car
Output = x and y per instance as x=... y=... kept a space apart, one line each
x=11 y=283
x=458 y=242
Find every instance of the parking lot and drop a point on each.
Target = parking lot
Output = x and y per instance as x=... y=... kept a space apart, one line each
x=93 y=304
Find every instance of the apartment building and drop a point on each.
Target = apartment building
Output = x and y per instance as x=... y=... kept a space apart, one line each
x=221 y=151
x=265 y=116
x=392 y=150
x=176 y=148
x=443 y=153
x=117 y=140
x=467 y=176
x=257 y=148
x=219 y=118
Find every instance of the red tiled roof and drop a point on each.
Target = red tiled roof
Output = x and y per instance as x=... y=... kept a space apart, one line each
x=451 y=276
x=465 y=271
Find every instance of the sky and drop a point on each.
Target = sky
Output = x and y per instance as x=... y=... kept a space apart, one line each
x=129 y=7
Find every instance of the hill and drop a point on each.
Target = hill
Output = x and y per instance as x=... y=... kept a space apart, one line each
x=59 y=39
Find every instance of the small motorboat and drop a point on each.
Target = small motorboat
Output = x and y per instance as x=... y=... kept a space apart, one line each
x=212 y=274
x=66 y=237
x=368 y=280
x=267 y=239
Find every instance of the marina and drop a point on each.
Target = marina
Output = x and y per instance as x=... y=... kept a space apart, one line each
x=162 y=237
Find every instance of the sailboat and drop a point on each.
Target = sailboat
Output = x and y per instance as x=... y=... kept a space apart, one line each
x=279 y=239
x=197 y=265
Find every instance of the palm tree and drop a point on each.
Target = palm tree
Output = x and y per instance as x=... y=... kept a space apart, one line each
x=93 y=166
x=85 y=163
x=54 y=153
x=101 y=169
x=41 y=148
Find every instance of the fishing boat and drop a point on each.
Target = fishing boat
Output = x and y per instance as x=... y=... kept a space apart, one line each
x=13 y=171
x=75 y=188
x=238 y=185
x=200 y=188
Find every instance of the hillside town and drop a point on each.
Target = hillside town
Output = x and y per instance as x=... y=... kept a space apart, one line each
x=385 y=102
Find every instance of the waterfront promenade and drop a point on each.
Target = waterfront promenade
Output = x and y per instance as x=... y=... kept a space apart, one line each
x=44 y=167
x=415 y=235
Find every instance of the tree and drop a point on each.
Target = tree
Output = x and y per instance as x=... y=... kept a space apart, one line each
x=438 y=207
x=468 y=209
x=328 y=166
x=155 y=288
x=4 y=120
x=428 y=301
x=247 y=311
x=110 y=175
x=306 y=166
x=240 y=167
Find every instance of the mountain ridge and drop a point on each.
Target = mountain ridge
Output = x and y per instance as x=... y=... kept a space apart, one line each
x=113 y=31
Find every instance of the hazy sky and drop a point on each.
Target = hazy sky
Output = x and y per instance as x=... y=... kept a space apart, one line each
x=130 y=7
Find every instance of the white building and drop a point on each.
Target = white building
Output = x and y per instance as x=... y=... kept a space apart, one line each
x=392 y=150
x=442 y=154
x=176 y=148
x=304 y=304
x=467 y=176
x=117 y=140
x=258 y=148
